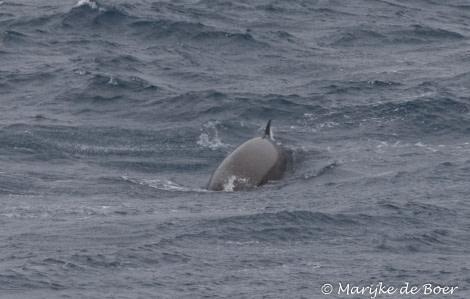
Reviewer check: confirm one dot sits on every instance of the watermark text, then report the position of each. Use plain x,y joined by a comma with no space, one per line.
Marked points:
375,290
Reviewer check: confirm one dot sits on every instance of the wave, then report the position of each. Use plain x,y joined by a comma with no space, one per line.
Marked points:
30,276
307,226
426,34
428,116
361,87
194,34
409,118
85,14
133,84
414,34
210,103
53,142
282,226
90,3
96,15
12,37
163,185
419,237
165,29
228,40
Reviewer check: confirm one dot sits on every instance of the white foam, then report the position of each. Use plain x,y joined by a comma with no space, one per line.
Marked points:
230,185
113,81
210,138
80,72
92,4
426,146
161,184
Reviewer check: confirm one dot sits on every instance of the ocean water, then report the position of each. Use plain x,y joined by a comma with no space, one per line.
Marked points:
115,113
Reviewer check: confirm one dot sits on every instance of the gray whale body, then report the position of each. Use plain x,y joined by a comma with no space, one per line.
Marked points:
252,164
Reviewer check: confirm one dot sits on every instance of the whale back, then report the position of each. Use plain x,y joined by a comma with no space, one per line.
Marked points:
253,163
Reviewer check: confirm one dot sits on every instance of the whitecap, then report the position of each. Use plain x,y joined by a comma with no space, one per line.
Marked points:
92,4
426,146
210,137
80,72
113,81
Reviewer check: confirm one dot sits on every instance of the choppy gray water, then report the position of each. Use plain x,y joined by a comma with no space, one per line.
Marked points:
115,113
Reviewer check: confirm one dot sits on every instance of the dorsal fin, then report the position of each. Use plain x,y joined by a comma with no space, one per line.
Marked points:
267,132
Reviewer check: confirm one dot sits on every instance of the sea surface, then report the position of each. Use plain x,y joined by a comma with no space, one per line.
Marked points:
115,113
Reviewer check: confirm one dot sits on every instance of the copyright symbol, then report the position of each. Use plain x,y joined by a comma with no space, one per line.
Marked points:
327,289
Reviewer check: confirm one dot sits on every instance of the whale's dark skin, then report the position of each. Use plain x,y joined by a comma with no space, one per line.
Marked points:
252,164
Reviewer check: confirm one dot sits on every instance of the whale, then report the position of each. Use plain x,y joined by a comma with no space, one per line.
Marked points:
252,164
